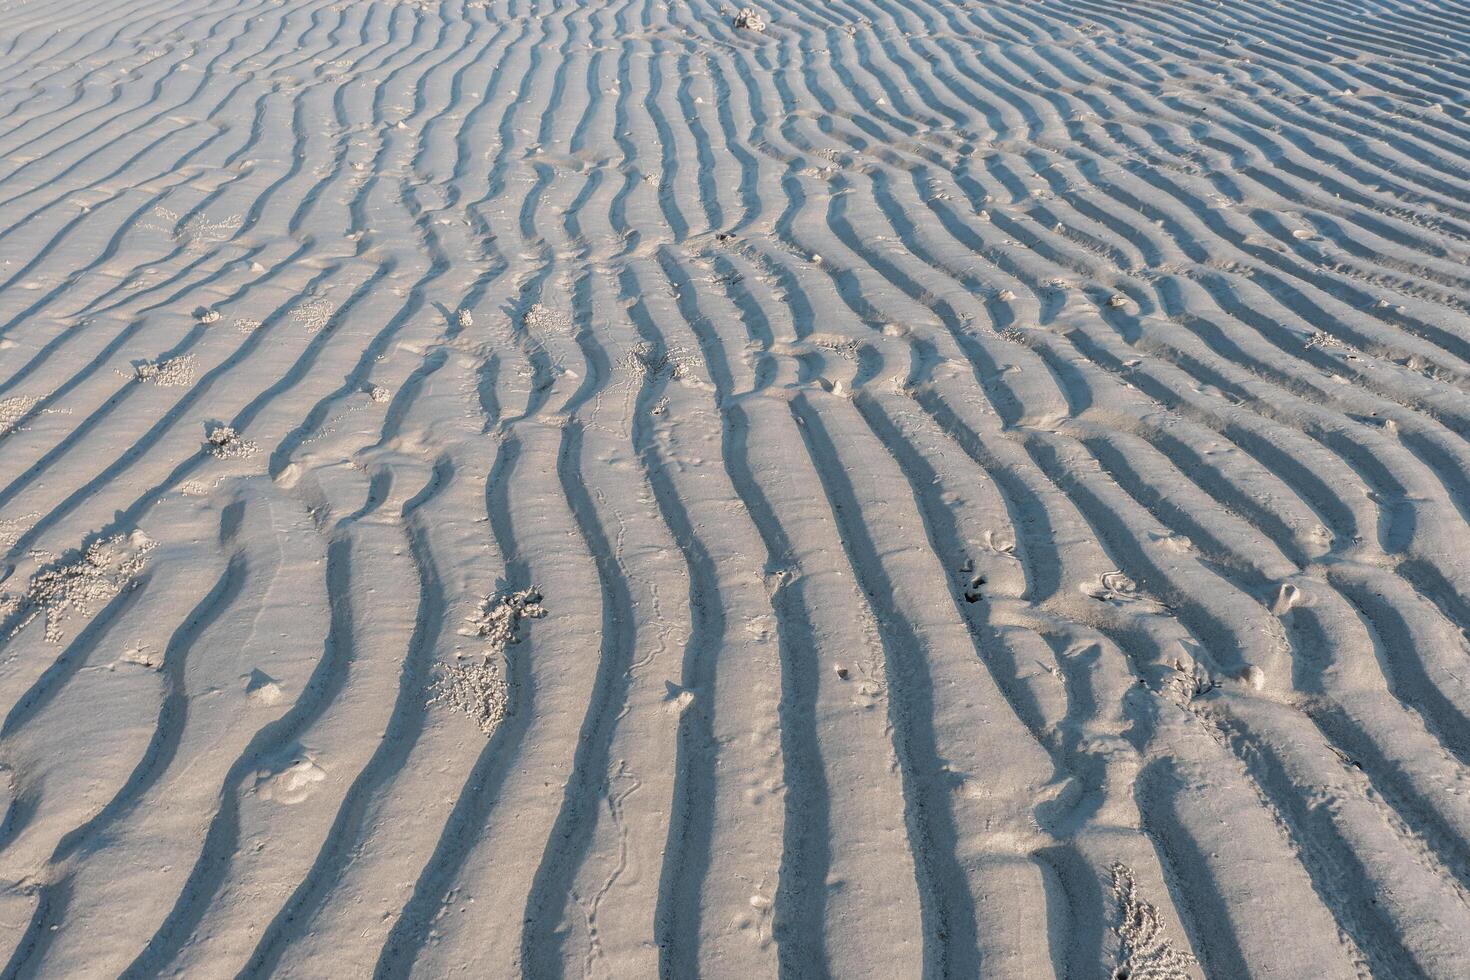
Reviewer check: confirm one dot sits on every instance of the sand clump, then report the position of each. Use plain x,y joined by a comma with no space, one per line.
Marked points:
500,616
1322,340
648,361
315,315
1143,951
13,411
79,585
225,443
478,688
170,372
543,318
11,530
748,19
198,232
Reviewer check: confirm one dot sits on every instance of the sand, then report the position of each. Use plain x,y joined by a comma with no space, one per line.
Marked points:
665,488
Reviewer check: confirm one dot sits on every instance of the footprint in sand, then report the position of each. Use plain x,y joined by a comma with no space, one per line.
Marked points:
262,689
291,785
1115,586
140,655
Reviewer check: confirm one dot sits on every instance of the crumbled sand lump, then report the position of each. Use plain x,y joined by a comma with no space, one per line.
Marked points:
479,689
749,20
13,410
226,443
475,689
542,318
172,372
1322,340
646,360
500,616
11,530
1143,952
81,584
314,314
198,232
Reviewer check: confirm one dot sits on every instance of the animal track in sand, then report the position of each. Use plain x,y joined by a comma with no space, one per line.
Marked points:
1188,682
101,571
759,919
972,592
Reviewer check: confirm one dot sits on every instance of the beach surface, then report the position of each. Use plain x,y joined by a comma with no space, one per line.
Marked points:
651,489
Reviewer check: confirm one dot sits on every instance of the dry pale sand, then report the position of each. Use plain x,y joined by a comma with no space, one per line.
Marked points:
643,488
